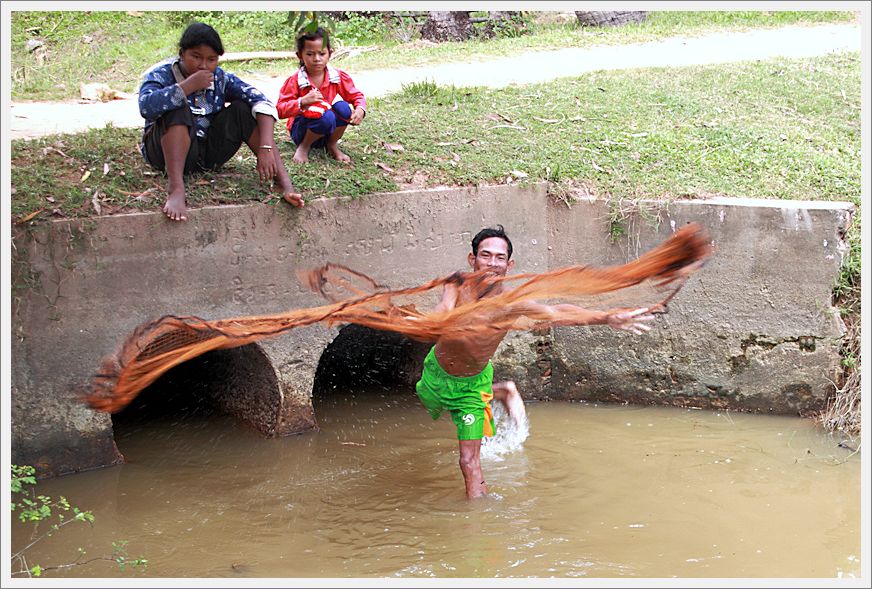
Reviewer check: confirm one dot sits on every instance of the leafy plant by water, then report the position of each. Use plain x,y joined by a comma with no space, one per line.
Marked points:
48,517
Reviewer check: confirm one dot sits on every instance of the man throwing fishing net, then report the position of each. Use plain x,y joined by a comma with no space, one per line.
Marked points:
458,374
475,312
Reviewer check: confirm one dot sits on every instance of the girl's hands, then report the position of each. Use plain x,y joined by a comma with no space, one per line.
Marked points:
357,116
311,98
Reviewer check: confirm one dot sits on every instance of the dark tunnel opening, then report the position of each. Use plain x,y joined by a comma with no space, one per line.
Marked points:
363,361
239,382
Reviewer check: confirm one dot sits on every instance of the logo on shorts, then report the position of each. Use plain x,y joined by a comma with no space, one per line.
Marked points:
469,419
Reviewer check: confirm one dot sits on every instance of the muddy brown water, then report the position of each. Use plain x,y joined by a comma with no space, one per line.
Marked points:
584,491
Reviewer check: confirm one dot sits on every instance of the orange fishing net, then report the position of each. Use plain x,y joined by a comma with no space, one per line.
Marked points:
650,281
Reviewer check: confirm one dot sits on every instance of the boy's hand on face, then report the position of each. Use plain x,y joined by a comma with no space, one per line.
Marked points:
199,80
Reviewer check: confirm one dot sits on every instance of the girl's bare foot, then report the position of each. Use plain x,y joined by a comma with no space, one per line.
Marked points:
294,199
301,155
175,208
340,156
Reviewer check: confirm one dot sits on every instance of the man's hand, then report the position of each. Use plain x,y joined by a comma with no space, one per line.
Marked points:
634,321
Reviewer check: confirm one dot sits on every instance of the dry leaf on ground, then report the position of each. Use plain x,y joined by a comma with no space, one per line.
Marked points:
29,217
518,127
393,147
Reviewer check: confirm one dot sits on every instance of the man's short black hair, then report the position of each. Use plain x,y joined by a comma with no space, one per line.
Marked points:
199,33
497,231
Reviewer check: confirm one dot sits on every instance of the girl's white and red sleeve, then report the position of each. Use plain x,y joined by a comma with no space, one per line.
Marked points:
349,92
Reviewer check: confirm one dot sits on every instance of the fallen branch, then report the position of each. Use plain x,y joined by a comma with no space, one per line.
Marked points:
247,55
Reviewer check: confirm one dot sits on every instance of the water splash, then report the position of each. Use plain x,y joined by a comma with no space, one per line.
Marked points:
510,436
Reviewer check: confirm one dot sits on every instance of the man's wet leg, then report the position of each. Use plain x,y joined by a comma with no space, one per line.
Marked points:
470,466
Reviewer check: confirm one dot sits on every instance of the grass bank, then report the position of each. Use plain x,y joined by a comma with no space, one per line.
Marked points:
779,129
115,47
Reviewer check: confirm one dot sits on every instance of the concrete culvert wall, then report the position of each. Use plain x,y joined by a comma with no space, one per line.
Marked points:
362,359
240,382
754,330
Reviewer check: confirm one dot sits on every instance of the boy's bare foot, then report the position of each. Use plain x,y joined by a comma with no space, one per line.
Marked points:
338,155
175,208
294,199
289,193
301,155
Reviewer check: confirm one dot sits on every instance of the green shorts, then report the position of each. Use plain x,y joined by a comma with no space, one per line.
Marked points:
467,398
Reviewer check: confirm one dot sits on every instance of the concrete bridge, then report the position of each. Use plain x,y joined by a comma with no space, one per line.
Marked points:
753,331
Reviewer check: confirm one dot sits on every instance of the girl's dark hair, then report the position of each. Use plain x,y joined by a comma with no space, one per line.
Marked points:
491,232
199,33
319,33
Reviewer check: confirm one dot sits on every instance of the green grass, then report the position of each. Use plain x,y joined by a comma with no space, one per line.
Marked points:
549,36
115,47
58,187
777,129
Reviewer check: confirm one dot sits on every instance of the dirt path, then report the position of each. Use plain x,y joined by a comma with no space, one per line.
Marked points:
35,119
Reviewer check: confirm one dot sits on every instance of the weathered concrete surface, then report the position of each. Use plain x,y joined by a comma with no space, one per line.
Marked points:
83,285
751,331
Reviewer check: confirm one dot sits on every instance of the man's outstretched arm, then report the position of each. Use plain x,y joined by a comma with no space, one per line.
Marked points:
635,320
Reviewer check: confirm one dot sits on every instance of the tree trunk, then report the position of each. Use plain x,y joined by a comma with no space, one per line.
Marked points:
505,22
447,26
609,19
497,15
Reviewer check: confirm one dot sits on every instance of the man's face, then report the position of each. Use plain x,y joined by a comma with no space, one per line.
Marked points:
493,256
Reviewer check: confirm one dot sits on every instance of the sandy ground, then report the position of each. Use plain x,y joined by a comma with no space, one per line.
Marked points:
34,119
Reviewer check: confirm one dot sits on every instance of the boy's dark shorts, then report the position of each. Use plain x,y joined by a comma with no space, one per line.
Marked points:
227,131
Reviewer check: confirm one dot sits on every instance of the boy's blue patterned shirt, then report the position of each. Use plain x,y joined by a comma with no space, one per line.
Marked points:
160,93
